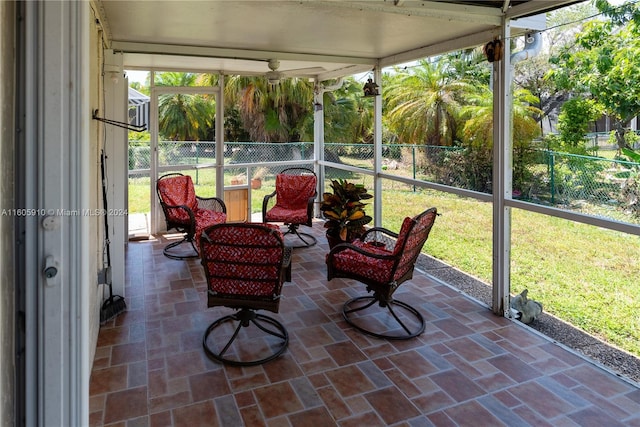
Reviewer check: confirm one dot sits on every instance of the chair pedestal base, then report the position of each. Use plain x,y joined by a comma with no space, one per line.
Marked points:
367,301
306,239
167,251
245,318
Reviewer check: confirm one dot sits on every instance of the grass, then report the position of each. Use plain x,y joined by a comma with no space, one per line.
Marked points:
582,274
607,154
139,195
585,275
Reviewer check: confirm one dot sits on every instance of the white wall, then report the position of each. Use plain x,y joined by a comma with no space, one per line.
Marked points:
108,98
116,148
95,231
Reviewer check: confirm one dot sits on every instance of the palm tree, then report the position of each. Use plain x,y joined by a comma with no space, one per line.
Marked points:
183,117
477,136
423,103
469,65
348,114
478,115
271,113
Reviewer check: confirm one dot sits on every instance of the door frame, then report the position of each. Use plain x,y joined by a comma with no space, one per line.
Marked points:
54,174
156,214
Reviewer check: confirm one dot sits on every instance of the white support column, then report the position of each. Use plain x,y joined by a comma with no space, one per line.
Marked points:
377,146
220,139
318,135
502,145
156,215
57,177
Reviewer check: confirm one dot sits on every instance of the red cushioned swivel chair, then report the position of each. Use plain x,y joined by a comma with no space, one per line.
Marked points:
186,212
382,260
245,266
292,202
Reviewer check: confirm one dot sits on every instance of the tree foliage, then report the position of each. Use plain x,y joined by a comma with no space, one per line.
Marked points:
573,123
271,113
531,74
348,115
477,136
183,117
603,64
423,103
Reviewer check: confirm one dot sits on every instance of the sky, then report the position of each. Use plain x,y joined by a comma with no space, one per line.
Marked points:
137,76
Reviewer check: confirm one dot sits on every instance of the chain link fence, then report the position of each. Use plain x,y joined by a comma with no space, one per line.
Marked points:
597,186
178,153
596,141
593,185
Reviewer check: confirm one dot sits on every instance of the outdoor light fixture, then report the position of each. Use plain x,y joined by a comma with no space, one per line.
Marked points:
113,75
493,50
370,88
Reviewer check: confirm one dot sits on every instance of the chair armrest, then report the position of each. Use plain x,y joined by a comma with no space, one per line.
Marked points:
211,203
344,246
381,235
189,228
184,207
286,264
382,230
310,203
265,204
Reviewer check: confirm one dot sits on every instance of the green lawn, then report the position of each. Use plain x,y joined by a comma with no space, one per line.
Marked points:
585,275
607,154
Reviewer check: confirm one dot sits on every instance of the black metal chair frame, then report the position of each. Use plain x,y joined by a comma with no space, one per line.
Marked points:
246,305
306,238
383,292
188,229
246,317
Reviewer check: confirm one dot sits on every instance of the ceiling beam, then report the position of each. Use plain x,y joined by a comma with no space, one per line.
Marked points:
345,71
535,7
99,13
518,27
430,9
329,75
216,52
459,43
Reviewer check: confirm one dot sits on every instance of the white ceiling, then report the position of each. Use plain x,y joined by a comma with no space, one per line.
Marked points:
342,37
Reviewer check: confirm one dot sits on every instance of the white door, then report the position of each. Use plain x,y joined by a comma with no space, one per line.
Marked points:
55,176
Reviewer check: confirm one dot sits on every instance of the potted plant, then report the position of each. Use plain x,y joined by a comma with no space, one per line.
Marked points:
256,178
344,211
238,179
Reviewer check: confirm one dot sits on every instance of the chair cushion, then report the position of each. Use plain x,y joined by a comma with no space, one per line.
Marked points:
247,269
293,191
206,218
233,286
248,236
356,263
407,224
176,191
245,279
413,237
290,216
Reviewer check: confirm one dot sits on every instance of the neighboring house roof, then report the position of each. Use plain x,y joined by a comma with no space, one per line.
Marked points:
137,98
